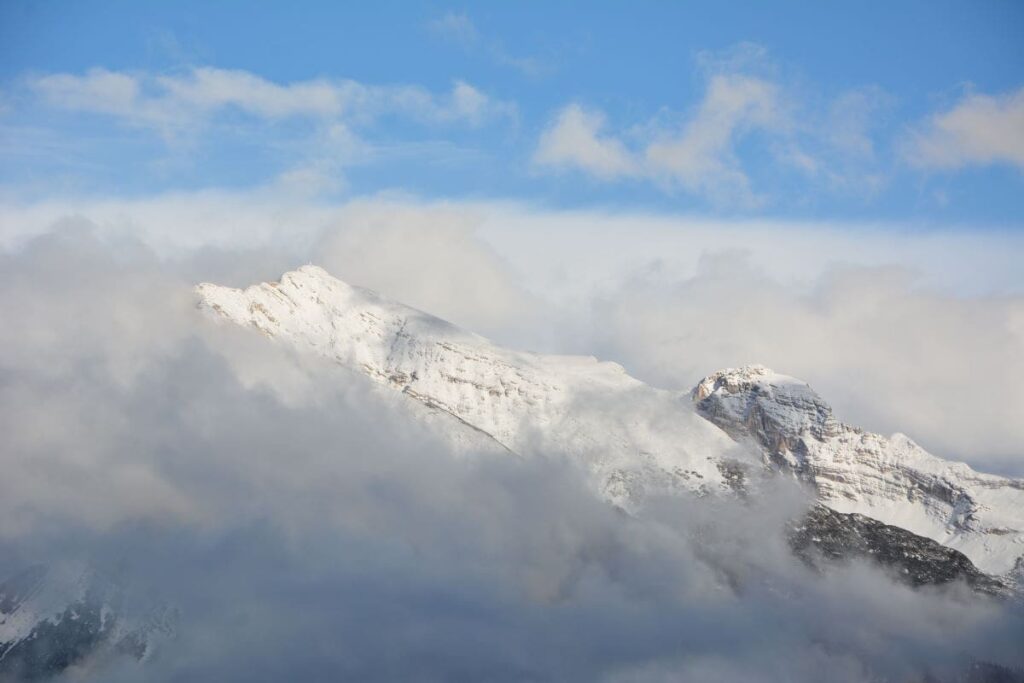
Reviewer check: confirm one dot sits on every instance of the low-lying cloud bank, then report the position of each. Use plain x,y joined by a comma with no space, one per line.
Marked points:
916,331
308,529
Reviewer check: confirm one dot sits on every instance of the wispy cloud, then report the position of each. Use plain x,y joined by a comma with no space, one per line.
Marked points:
979,130
701,157
698,152
896,328
459,29
576,139
305,523
697,156
318,127
179,100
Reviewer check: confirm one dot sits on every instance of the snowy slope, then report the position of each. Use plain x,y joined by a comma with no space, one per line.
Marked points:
55,617
889,479
632,438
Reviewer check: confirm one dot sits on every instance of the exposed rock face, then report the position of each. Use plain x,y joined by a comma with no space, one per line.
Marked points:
892,480
825,534
52,620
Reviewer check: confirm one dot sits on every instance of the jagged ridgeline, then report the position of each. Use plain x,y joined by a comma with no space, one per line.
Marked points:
636,440
882,500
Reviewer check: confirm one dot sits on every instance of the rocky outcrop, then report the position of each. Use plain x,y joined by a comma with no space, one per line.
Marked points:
633,439
824,535
892,479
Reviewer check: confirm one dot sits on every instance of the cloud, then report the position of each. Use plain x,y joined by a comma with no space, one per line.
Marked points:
306,526
459,28
979,130
574,140
186,99
305,135
888,354
706,151
698,156
895,328
424,257
456,27
98,90
210,89
701,158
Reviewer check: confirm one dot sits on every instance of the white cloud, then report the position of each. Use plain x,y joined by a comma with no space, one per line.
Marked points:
574,140
456,27
286,506
182,100
979,130
209,89
850,119
701,151
98,90
473,106
701,158
697,155
428,257
331,117
695,152
901,330
888,354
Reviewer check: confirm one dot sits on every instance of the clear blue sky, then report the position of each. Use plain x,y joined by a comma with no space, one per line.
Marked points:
905,111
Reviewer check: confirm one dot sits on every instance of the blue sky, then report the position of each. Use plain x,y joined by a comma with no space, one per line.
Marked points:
907,112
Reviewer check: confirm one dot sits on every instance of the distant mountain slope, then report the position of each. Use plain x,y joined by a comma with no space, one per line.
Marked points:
633,438
824,534
890,479
52,619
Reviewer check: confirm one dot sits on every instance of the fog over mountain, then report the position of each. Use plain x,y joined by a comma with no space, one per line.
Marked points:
526,342
302,522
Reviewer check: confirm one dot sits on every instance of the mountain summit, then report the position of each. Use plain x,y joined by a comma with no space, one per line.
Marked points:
634,439
890,479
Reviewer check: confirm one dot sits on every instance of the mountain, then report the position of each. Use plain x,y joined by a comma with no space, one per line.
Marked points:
636,440
892,480
824,534
633,438
54,618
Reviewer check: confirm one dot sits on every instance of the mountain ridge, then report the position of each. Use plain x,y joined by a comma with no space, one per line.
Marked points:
636,440
526,402
890,479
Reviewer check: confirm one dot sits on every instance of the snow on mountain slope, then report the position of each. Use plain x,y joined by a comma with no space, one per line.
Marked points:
633,438
890,479
52,618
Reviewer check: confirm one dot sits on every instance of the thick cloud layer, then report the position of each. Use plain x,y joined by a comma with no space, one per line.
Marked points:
901,330
307,528
888,354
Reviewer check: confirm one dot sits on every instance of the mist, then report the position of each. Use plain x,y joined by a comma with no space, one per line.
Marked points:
305,526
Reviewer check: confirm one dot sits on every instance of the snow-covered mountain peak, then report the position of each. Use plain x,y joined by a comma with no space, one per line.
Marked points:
733,380
633,438
318,297
891,479
789,405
